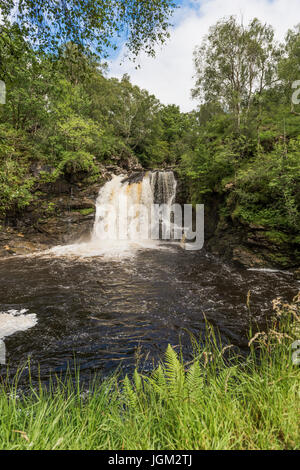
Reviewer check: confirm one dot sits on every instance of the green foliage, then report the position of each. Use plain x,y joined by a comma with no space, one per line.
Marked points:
267,188
15,182
289,66
247,149
87,211
242,144
14,187
75,162
49,23
64,114
218,401
235,64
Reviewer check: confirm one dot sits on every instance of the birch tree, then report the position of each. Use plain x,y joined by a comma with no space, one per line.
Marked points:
235,64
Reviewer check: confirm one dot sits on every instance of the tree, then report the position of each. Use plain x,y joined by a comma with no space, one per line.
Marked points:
234,64
289,66
94,23
27,78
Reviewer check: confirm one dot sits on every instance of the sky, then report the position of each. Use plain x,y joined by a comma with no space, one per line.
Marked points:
169,76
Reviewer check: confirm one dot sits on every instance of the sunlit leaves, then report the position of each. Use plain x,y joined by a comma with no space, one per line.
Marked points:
93,23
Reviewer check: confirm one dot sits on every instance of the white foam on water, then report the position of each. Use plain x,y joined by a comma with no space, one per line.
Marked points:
123,241
114,249
16,320
269,270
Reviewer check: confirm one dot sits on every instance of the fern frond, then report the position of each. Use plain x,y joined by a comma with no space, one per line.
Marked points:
174,371
194,380
159,377
129,394
137,381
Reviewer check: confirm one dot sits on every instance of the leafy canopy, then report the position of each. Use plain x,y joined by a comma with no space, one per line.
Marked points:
95,23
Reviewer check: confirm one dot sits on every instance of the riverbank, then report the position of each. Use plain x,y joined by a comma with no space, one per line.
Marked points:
63,212
215,402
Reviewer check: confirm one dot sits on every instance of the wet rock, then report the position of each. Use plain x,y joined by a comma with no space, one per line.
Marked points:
247,258
113,168
258,239
63,216
14,243
256,227
134,178
77,203
26,247
296,274
4,253
247,244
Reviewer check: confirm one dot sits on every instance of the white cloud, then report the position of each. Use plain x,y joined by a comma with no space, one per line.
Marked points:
169,75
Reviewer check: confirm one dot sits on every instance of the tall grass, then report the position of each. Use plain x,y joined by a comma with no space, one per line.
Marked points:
211,403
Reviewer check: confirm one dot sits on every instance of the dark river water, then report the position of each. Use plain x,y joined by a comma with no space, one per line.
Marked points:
105,312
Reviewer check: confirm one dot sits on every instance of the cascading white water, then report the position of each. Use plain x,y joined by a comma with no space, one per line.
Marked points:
123,215
11,322
118,199
163,185
135,200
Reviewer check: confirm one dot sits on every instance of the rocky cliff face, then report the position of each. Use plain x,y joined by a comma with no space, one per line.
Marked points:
247,244
62,212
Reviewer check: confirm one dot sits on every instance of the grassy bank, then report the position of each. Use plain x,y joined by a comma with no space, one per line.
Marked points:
207,404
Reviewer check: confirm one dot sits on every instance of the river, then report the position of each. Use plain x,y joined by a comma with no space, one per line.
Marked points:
109,311
105,312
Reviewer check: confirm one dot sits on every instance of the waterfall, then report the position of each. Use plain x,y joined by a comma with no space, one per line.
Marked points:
124,219
115,200
163,185
119,200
